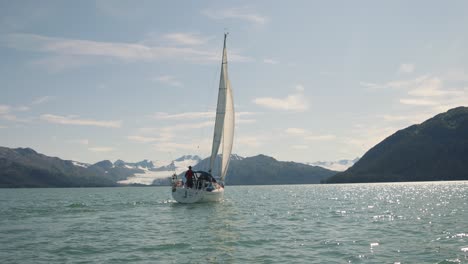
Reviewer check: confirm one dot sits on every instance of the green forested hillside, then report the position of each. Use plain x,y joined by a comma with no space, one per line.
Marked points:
435,150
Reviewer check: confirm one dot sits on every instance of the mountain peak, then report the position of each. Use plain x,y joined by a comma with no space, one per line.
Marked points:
26,151
188,157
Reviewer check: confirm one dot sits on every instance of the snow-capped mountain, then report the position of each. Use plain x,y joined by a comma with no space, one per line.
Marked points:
340,165
153,173
144,164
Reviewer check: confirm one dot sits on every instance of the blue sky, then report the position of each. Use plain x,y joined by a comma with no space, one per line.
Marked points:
312,80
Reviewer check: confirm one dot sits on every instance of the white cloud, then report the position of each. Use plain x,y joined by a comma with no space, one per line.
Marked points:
73,48
21,108
409,118
4,109
418,102
431,87
396,84
80,141
307,135
73,120
299,88
326,73
299,147
435,93
42,99
186,38
245,121
293,102
101,149
201,146
295,131
236,13
184,116
57,63
187,126
270,61
406,68
5,113
169,80
143,139
83,141
194,115
248,141
320,137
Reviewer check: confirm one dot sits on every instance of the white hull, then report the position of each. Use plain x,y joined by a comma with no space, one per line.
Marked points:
189,195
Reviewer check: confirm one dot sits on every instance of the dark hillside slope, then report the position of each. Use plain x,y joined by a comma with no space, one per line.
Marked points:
435,150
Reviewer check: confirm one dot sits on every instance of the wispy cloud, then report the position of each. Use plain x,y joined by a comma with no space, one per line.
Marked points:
408,118
80,141
406,68
293,102
418,101
244,14
101,149
295,131
83,141
195,115
182,116
199,146
21,108
72,48
434,92
249,141
6,113
144,139
299,147
74,120
188,39
169,80
270,61
307,135
42,99
4,109
320,137
397,84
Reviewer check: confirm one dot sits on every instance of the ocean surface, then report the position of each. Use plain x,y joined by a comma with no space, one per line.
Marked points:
356,223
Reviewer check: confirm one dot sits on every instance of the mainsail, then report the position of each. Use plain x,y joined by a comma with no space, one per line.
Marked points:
224,124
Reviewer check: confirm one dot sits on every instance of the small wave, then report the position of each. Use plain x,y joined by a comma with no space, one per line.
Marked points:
77,205
449,261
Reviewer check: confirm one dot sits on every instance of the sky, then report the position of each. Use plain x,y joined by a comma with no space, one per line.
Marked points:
312,80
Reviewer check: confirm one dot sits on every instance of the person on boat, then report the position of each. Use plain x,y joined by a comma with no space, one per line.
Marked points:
189,177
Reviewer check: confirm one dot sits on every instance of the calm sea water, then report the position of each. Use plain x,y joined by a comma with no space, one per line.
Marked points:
356,223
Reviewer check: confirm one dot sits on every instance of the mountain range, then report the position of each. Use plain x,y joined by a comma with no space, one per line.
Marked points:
24,167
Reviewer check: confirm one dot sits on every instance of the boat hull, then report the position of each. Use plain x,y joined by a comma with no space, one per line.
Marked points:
189,195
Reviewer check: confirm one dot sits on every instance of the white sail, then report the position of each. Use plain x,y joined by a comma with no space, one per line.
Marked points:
220,109
228,131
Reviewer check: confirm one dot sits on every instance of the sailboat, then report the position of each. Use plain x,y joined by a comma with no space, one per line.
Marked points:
206,187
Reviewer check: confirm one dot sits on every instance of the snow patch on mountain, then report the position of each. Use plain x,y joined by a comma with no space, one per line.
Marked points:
80,164
152,173
340,165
